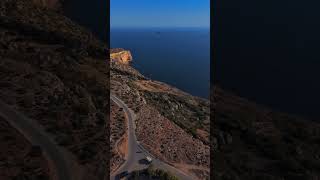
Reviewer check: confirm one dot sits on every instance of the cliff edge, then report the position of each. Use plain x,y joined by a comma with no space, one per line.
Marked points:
120,55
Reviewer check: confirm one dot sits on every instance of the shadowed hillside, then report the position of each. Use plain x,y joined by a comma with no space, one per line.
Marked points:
253,142
55,72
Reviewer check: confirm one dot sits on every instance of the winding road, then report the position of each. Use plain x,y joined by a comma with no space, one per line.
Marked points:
38,137
136,152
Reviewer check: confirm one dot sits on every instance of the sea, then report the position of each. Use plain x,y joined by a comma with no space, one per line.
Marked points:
269,52
266,51
177,56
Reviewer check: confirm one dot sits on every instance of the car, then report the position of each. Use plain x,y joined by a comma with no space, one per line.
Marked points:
149,159
123,174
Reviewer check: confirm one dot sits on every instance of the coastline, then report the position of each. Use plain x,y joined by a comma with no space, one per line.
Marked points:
125,57
179,58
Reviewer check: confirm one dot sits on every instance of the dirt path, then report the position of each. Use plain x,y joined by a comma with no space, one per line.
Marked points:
37,136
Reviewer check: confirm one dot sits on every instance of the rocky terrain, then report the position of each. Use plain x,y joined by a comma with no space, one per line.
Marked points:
171,124
18,158
120,55
55,72
253,142
249,141
118,127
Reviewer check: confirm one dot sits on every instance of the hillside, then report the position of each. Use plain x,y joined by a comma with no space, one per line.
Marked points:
254,142
55,73
118,137
171,124
249,141
18,157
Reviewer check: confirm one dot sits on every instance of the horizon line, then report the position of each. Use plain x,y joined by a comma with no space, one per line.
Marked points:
136,27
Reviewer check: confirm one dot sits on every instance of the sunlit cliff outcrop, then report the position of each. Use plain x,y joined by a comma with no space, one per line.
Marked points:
120,55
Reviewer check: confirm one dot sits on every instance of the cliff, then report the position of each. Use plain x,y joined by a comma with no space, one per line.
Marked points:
120,55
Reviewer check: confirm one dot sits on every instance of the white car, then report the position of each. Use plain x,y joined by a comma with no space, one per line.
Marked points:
149,159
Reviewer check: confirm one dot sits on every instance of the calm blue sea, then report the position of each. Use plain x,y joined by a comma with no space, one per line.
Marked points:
177,56
268,51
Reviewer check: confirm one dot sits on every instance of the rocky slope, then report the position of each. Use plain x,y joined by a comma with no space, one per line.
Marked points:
55,72
18,157
253,142
118,129
171,124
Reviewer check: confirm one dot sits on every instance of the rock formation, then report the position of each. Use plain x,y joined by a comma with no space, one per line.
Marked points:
120,55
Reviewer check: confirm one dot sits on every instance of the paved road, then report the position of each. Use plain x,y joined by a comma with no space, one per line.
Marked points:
136,152
32,131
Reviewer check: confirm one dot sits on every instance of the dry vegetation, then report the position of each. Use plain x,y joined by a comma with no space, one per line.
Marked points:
170,143
252,142
118,128
18,158
55,72
171,124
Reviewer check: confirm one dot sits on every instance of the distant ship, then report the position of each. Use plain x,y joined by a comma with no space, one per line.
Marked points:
157,34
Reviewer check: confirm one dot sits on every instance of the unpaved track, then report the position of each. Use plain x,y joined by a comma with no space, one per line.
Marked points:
37,136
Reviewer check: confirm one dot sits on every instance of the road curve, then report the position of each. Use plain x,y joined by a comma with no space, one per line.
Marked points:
37,136
136,152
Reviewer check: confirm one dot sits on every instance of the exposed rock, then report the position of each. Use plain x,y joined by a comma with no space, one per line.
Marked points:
121,56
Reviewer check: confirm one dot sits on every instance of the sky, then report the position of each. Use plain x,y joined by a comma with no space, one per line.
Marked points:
159,13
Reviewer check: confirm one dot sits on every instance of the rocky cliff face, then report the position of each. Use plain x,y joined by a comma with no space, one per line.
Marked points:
120,55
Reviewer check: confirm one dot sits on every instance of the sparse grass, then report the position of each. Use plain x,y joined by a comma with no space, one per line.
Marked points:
178,109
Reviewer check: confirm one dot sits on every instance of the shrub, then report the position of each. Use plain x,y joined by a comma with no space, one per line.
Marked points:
154,174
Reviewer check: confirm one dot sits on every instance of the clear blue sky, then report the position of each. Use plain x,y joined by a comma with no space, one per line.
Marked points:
160,13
